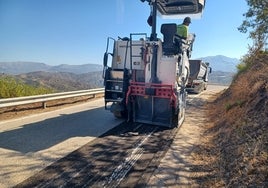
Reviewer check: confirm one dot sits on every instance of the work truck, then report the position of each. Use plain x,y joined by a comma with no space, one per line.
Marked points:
145,76
198,78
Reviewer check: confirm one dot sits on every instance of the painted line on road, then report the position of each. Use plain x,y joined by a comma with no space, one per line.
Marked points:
121,171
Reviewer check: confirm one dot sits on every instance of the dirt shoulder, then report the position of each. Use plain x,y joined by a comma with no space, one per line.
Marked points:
234,147
178,168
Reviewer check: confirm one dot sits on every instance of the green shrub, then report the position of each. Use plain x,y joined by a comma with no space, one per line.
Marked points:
229,106
10,87
242,67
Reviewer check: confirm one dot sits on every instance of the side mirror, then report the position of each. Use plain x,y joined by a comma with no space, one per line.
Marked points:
105,59
210,70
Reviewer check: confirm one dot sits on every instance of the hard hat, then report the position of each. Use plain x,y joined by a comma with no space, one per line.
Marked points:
187,20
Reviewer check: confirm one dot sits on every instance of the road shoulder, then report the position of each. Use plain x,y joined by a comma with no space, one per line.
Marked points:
175,169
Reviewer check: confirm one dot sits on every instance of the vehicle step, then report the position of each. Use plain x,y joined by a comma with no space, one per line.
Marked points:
114,80
116,91
113,100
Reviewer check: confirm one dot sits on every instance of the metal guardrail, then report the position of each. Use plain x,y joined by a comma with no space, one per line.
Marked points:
48,97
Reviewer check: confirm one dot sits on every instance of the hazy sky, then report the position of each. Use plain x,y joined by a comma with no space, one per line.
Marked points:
75,31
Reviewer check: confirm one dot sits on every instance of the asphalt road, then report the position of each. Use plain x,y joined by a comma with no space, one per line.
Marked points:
61,143
31,143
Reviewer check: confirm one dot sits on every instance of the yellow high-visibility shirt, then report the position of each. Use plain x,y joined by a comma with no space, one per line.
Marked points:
182,31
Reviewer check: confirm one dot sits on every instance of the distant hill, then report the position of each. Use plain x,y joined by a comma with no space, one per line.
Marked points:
222,63
218,63
20,67
75,77
77,69
221,78
62,81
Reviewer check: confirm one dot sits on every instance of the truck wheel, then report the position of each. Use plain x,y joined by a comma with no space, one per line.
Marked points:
121,114
117,114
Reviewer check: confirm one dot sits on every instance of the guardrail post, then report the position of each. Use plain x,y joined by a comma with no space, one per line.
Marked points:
44,105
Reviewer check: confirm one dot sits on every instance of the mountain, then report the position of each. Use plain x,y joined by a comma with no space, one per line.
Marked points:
62,81
77,69
220,78
22,67
26,67
75,77
218,63
221,63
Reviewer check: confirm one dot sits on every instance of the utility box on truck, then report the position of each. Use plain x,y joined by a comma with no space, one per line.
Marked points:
198,78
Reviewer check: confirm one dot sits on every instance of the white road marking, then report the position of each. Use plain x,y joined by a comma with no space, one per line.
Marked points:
120,172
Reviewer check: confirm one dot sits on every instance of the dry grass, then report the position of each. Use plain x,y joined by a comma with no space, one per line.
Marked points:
234,148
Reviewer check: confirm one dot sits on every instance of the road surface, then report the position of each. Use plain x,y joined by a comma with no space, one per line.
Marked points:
30,143
32,146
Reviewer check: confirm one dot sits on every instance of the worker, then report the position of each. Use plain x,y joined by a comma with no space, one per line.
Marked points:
182,29
182,37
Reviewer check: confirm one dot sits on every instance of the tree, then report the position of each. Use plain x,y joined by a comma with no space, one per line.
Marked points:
256,23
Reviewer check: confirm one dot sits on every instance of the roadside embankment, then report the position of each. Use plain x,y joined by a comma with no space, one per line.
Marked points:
234,148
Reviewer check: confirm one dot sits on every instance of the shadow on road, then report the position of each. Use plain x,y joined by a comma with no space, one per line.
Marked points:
45,134
126,155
